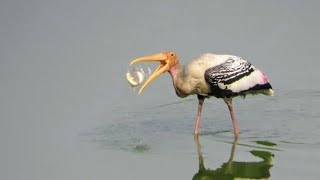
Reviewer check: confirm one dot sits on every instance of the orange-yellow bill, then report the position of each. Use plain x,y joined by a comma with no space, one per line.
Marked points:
163,67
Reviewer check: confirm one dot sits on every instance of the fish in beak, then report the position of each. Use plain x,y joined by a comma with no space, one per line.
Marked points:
165,60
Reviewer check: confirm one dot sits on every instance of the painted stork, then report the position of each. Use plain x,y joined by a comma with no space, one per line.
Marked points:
222,76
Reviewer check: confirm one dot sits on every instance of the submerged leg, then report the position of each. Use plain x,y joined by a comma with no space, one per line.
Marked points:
234,121
196,127
201,163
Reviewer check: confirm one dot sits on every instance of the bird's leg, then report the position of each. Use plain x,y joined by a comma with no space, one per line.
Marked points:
201,163
234,121
234,144
196,127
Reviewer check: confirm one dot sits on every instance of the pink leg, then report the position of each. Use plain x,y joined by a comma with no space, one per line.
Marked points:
234,121
196,128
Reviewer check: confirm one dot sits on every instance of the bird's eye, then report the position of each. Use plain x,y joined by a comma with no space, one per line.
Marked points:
172,54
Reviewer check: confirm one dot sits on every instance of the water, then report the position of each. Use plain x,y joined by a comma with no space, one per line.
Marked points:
67,111
164,134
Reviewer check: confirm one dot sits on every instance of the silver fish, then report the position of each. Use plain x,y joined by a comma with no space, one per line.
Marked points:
136,76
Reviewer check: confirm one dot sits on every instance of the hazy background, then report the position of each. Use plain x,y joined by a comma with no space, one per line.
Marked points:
62,66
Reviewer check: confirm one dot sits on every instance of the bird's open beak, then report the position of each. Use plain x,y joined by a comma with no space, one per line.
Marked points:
163,67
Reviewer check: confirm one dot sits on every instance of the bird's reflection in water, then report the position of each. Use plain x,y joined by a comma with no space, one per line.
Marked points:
233,169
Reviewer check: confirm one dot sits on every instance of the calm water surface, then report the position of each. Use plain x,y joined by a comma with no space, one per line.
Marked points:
274,141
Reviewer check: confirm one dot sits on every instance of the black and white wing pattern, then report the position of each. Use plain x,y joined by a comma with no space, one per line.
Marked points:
236,76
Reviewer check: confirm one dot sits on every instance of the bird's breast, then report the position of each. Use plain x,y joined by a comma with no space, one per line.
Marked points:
189,85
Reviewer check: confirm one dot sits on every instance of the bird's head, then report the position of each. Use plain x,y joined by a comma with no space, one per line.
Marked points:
167,61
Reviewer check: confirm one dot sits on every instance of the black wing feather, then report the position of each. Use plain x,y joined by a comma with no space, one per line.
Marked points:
227,73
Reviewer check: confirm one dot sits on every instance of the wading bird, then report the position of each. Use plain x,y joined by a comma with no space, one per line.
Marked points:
222,76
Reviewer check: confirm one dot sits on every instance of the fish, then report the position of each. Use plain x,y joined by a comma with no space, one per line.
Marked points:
136,76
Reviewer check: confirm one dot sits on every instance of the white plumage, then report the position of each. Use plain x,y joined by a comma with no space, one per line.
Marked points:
191,77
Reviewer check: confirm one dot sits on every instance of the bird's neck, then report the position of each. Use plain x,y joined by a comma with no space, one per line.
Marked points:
176,73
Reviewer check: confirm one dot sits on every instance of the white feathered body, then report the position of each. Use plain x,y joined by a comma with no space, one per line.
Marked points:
220,76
